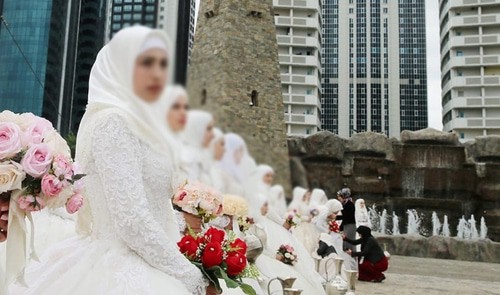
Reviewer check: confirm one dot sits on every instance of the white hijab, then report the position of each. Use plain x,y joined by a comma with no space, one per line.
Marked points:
361,214
216,179
255,183
321,220
111,88
297,201
196,126
194,153
111,91
238,171
277,200
318,198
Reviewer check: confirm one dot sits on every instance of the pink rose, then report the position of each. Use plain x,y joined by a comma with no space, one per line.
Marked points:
62,167
74,203
37,131
78,186
37,160
10,140
30,203
51,185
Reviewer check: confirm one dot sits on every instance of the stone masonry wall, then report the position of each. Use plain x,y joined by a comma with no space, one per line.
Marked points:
235,54
427,170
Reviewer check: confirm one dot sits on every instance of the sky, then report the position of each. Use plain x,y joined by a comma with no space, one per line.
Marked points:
433,62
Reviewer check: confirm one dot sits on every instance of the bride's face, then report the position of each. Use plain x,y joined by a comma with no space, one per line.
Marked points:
209,134
219,149
269,178
362,204
177,116
150,74
238,155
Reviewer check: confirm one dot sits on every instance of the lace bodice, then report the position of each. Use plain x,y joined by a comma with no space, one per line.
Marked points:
128,187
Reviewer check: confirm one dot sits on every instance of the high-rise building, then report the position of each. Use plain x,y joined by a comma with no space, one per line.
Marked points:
124,13
22,88
42,80
91,36
470,67
298,30
374,66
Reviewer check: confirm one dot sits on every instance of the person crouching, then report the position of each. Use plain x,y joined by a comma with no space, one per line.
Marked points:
372,260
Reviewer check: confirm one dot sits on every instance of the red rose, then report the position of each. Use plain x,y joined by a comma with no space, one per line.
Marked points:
188,246
236,263
215,235
239,246
212,255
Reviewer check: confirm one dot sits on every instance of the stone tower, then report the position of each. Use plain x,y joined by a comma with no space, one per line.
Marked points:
234,73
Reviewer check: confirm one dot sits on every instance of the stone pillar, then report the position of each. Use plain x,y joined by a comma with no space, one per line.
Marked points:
234,73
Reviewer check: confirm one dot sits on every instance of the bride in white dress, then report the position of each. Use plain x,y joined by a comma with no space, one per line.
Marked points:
125,150
196,138
272,236
236,165
276,235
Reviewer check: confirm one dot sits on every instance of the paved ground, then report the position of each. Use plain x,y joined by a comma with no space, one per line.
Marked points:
410,275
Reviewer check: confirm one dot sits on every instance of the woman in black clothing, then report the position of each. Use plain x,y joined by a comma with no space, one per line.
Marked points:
374,261
348,218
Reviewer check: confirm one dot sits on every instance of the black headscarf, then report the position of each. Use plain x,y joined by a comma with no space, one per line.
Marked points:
364,231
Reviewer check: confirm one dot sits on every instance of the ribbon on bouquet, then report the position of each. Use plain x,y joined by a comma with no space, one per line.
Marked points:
16,242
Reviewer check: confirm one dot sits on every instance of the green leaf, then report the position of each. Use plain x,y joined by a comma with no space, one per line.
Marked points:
78,177
247,289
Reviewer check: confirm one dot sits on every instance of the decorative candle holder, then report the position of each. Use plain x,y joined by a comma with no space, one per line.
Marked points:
352,276
338,282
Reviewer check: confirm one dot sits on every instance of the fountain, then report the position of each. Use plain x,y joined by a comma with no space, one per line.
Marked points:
446,227
463,229
484,230
395,224
474,235
413,227
383,221
436,224
374,218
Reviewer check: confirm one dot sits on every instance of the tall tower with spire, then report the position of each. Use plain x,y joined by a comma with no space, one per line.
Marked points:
234,73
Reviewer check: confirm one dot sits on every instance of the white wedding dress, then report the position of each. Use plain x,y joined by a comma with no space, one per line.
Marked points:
132,246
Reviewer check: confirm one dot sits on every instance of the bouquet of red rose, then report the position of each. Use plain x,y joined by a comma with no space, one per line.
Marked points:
219,256
334,226
286,254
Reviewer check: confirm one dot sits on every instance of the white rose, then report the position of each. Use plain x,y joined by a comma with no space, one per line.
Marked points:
26,120
287,255
57,144
8,116
207,206
11,176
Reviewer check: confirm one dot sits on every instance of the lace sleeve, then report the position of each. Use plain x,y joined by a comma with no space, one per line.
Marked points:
117,157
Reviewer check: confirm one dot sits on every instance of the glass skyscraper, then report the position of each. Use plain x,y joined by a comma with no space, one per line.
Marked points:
29,22
129,12
374,66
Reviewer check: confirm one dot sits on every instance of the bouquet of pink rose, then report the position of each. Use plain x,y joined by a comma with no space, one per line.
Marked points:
36,171
293,218
286,254
200,200
36,168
